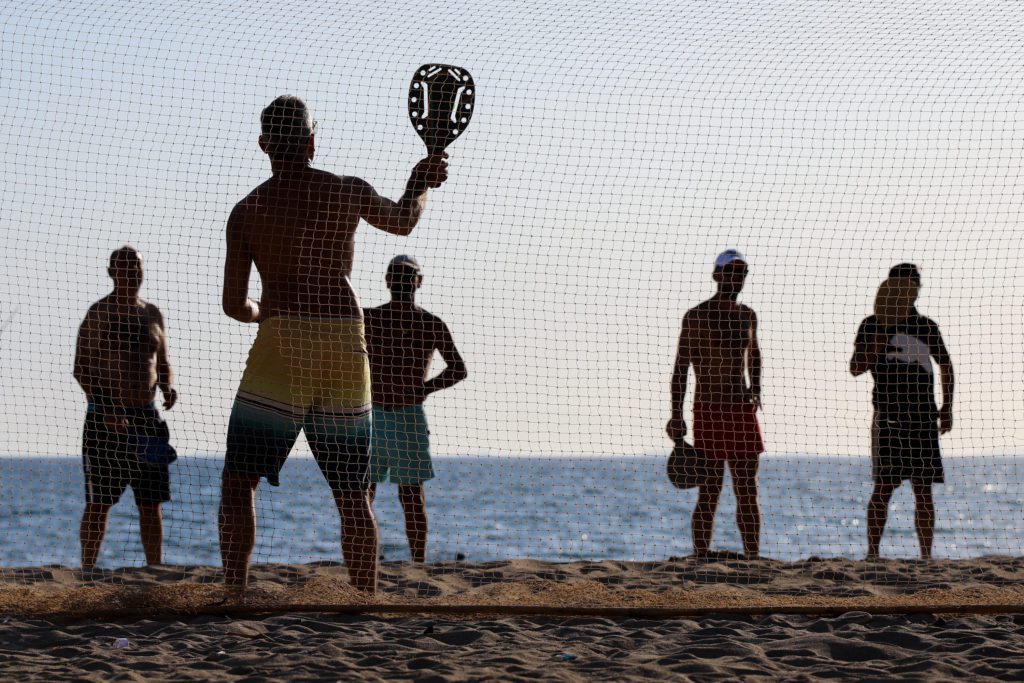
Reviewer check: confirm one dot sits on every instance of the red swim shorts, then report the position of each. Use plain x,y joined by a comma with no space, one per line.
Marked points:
727,431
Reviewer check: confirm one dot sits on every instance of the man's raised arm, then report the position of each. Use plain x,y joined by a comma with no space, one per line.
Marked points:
237,268
399,218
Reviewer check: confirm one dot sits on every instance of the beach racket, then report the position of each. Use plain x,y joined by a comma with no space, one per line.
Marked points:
687,467
441,100
894,301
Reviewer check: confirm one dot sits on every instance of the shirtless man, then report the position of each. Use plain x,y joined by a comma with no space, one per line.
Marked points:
120,361
719,339
402,339
308,368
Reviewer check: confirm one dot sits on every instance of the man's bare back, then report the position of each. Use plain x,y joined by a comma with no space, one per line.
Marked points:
298,228
401,341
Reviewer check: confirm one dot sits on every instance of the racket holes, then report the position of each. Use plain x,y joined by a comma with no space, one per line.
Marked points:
465,77
413,99
463,119
455,132
419,127
423,72
414,114
469,92
469,106
416,85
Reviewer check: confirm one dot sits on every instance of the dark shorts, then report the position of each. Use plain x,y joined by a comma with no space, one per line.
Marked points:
111,464
260,437
727,431
901,452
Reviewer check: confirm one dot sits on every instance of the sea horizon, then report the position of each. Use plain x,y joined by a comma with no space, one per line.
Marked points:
546,508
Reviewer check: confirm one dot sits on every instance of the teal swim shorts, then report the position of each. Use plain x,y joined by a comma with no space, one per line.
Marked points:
400,446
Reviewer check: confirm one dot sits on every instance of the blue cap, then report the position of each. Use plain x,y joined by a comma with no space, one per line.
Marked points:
728,257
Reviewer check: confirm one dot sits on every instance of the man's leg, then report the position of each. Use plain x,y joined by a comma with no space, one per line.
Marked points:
924,517
94,527
414,505
703,522
878,513
748,509
151,528
151,486
359,540
237,525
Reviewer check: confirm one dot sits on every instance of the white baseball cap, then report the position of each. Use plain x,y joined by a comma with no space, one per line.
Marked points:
728,257
404,261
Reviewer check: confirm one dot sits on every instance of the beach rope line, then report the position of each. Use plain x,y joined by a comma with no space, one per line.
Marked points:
480,611
609,293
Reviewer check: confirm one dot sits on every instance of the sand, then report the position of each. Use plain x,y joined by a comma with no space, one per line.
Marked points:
43,634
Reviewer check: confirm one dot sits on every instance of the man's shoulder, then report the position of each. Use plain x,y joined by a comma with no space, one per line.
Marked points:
925,326
316,177
922,320
99,313
373,312
699,308
345,185
428,317
719,308
420,317
869,321
153,310
255,194
319,175
100,307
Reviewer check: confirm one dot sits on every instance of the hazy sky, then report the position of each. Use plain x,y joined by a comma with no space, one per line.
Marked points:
615,149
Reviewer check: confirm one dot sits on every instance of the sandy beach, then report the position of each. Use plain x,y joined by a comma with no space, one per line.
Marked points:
44,635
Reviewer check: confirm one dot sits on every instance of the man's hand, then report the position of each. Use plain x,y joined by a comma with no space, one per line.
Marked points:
676,429
115,423
430,172
170,397
945,419
755,397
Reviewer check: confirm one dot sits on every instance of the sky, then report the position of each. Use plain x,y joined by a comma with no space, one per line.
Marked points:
615,149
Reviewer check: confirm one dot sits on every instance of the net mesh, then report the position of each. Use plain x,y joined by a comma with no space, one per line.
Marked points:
614,151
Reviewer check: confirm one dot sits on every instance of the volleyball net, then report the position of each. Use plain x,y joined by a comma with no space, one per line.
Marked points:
614,153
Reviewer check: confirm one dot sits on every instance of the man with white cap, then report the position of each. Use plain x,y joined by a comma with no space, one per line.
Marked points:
401,339
719,339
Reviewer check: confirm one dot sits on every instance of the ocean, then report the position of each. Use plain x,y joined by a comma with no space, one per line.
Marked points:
498,508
